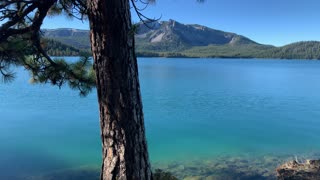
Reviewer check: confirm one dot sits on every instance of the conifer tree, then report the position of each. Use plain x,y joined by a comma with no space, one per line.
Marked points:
114,71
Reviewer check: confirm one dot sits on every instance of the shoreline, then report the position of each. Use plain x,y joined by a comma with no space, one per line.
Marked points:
216,58
222,167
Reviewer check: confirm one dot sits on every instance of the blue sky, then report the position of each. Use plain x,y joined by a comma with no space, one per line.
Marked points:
276,22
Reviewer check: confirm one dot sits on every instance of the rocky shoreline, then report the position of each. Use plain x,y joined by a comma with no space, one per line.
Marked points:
219,168
224,168
293,170
228,168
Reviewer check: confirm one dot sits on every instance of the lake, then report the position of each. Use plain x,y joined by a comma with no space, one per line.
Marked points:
204,118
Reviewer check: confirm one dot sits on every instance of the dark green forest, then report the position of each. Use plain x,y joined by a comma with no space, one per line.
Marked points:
56,48
299,50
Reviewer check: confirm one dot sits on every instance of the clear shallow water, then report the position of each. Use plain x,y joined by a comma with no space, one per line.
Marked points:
195,109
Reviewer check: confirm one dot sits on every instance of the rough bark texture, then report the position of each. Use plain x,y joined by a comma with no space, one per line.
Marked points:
310,170
124,145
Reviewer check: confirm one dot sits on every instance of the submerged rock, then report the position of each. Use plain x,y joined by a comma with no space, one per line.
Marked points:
193,178
310,170
161,175
241,167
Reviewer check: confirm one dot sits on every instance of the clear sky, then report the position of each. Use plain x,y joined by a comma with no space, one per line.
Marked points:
276,22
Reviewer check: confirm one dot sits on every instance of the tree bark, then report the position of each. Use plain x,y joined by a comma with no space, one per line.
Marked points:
124,145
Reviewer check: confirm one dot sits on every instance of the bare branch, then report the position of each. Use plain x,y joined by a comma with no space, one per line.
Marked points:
144,19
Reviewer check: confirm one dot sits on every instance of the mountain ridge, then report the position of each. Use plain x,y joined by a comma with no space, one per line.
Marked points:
174,39
193,34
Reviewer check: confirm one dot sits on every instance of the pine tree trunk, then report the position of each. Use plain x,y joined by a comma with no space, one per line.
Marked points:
124,145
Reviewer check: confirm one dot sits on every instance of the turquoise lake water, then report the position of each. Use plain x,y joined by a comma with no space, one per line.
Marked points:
195,109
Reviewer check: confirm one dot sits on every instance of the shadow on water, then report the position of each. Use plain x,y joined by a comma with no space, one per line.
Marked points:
71,174
87,173
41,167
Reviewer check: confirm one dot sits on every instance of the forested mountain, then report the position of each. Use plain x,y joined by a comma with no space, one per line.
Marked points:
174,39
299,50
72,37
56,48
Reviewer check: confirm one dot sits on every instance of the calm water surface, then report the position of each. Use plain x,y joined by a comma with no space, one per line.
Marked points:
195,109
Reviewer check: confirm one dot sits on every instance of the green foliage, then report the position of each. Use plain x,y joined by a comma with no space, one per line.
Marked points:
21,44
213,51
78,75
12,53
81,43
56,48
173,46
300,50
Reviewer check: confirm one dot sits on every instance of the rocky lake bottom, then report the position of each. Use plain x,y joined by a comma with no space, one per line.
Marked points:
219,168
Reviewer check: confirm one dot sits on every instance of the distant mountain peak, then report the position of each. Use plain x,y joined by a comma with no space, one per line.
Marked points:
168,35
66,32
172,31
172,38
